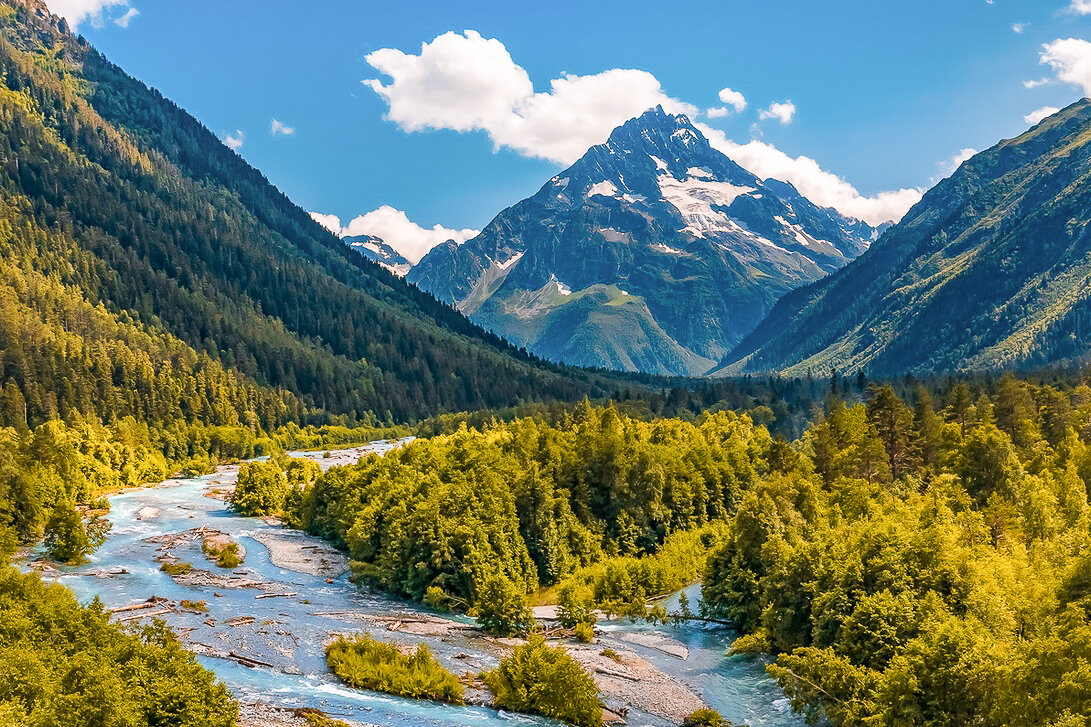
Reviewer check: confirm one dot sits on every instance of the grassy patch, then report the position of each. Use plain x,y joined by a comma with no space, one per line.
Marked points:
365,663
176,569
226,556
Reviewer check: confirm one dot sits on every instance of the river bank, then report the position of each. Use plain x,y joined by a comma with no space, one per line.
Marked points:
267,621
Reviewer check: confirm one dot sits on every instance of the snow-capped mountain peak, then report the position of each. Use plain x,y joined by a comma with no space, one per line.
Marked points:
373,248
701,246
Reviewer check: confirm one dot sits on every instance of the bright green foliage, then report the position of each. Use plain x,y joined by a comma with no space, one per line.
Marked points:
176,569
534,501
318,718
705,718
365,663
545,680
624,584
65,664
502,608
260,490
575,605
229,556
226,556
68,539
584,632
301,472
949,585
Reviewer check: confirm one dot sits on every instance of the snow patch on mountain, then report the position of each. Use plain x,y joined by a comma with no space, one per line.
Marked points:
561,287
611,235
605,188
694,199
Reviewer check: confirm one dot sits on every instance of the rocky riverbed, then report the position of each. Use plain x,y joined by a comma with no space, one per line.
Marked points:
262,626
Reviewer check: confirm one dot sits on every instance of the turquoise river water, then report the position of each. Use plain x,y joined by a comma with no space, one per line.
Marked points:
288,631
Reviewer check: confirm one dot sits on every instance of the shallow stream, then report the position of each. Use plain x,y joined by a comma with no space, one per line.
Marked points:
288,631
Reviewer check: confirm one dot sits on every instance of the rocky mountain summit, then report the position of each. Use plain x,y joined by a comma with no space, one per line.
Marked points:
373,248
654,252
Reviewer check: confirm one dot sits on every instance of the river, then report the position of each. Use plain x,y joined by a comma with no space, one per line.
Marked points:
288,631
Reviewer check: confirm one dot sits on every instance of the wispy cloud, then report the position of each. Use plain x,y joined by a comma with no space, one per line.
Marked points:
782,112
1019,27
948,166
276,128
234,141
124,20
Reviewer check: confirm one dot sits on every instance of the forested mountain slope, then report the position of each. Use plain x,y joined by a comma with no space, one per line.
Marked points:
121,209
991,269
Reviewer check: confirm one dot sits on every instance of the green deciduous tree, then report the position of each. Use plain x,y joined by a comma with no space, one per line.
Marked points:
545,680
260,490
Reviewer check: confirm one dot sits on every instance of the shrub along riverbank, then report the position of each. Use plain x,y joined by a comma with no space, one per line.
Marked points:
907,563
365,663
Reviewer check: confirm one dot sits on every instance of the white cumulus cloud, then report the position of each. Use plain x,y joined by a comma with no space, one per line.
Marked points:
330,222
280,129
465,82
1038,114
1070,61
234,141
395,228
1080,7
782,112
816,184
733,99
77,11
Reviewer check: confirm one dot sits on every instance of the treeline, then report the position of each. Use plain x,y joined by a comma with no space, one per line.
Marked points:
530,502
57,466
923,563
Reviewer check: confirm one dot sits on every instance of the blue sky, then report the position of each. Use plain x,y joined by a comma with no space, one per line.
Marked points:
882,95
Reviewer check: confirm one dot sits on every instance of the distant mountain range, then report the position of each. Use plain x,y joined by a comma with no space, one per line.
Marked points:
653,252
374,249
991,269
